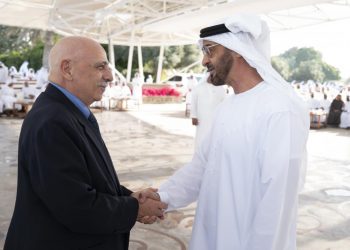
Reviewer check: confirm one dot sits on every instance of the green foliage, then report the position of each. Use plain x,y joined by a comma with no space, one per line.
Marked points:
307,54
172,57
14,38
175,57
192,54
281,65
19,44
331,73
32,54
178,57
289,56
309,70
13,57
304,64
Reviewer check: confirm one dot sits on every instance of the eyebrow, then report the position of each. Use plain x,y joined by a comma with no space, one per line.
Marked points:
101,63
209,44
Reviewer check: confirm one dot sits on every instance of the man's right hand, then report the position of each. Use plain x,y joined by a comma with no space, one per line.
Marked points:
150,206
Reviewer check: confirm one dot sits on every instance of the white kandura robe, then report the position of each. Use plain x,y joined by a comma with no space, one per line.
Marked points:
325,104
245,175
137,84
29,91
1,105
204,100
3,74
9,98
345,116
313,103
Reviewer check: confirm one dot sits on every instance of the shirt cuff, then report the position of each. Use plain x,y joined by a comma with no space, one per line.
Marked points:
164,197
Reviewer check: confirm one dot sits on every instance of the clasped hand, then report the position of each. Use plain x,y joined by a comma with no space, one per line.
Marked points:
150,206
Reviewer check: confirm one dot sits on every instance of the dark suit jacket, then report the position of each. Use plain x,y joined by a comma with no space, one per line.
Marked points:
68,194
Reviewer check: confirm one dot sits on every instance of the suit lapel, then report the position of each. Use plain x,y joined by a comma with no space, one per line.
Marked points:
102,149
89,130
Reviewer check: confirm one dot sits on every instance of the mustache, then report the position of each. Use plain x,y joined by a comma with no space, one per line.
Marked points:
210,67
102,84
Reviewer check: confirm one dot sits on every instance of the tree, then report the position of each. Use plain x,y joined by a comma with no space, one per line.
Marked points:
307,54
192,54
280,64
15,38
295,56
289,56
331,73
309,70
304,64
32,54
20,44
172,57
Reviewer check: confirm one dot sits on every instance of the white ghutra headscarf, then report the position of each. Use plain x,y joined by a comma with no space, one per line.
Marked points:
249,36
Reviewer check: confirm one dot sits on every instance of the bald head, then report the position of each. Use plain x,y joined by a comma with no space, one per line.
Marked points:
80,65
72,48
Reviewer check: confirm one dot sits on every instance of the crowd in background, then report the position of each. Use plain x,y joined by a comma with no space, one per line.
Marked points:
20,86
24,86
329,102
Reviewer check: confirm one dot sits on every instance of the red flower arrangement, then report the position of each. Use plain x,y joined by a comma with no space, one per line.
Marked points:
160,92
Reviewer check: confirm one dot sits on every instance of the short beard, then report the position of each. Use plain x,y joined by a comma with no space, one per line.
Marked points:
222,70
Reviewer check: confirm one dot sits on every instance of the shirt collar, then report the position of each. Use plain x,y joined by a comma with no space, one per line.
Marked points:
75,100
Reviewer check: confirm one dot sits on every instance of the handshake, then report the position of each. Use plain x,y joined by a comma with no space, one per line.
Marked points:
150,206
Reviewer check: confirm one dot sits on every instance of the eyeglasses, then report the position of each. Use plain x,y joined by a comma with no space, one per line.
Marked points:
206,49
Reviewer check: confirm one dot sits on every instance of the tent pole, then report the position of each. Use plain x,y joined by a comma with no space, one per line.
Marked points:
131,52
111,52
139,55
160,63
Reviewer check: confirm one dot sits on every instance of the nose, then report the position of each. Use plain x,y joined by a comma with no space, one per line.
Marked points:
108,76
205,60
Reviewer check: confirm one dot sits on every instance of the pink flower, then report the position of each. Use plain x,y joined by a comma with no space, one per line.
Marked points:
160,92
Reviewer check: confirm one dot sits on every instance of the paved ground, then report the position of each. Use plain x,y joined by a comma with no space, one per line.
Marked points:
149,144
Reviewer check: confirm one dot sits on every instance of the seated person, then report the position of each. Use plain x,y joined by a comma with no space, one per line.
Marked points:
31,74
1,104
335,111
29,92
121,94
325,104
9,97
345,115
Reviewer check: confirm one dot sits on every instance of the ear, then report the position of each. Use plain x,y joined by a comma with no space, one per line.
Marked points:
66,69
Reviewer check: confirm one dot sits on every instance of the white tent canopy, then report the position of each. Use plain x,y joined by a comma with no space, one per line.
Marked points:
159,22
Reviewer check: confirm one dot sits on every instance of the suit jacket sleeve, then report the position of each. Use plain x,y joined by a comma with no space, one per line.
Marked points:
63,179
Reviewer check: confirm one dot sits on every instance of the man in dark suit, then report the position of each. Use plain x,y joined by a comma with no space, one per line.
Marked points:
69,195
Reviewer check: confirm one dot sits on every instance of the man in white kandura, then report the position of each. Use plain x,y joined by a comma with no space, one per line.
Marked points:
247,173
345,115
137,83
3,73
23,70
204,101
